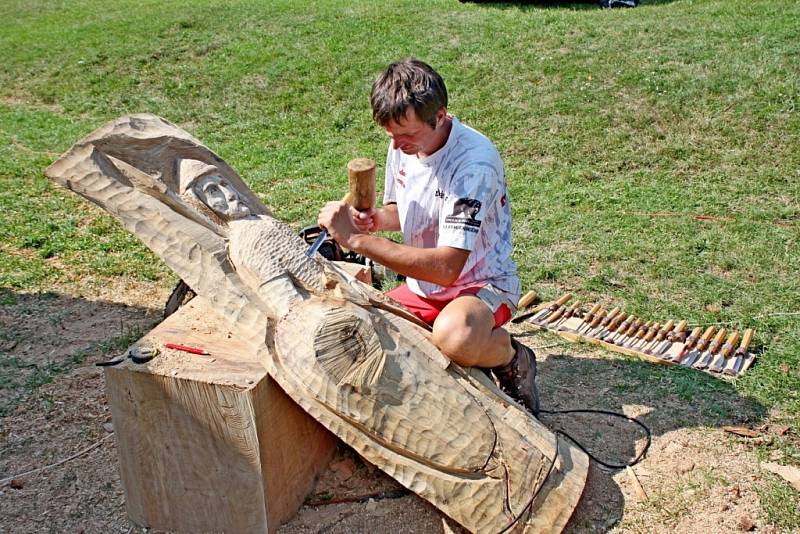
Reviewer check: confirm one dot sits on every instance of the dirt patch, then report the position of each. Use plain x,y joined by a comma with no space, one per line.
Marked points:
695,478
42,333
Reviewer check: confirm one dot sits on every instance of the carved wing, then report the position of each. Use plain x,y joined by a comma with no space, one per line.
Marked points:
437,429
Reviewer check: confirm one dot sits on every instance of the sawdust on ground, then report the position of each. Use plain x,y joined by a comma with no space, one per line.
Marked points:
694,478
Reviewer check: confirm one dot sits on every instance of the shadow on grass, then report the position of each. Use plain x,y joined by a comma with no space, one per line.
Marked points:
664,398
45,335
555,4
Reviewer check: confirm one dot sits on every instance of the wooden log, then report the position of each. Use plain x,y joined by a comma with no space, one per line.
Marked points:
210,442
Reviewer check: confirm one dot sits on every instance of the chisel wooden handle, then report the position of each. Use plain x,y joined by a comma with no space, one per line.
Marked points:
589,317
527,299
556,315
666,329
679,331
613,313
360,194
614,325
660,337
623,328
563,299
597,319
702,343
746,339
573,310
640,332
651,333
740,354
716,344
677,335
720,360
625,336
712,351
607,320
730,343
694,337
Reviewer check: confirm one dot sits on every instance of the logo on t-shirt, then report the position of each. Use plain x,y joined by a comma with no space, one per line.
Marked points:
466,206
439,193
464,212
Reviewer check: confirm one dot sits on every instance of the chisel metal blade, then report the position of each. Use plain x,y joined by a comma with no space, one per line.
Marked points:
323,235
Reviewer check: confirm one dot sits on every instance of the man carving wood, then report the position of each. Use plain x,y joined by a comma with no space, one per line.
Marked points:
445,190
359,364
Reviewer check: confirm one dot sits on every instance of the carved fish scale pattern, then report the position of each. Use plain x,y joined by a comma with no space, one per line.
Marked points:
270,249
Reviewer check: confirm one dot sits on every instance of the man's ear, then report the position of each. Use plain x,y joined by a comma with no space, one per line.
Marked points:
440,116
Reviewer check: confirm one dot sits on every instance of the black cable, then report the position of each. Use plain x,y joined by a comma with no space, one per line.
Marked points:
605,412
581,447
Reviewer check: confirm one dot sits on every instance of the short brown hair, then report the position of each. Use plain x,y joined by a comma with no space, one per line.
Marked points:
409,83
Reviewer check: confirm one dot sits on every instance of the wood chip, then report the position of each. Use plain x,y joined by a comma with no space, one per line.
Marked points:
789,473
779,429
637,486
746,524
344,469
741,431
446,528
17,484
685,466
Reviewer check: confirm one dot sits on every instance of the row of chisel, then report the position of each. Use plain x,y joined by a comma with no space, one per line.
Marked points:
718,351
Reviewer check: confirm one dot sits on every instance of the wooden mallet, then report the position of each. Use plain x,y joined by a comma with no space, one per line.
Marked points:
360,195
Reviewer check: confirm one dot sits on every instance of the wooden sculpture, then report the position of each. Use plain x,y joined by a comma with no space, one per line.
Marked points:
362,366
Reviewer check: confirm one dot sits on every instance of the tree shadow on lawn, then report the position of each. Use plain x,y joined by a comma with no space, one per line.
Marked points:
664,398
45,335
555,4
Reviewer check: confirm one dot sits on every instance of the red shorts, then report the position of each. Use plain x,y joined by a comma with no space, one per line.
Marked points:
428,309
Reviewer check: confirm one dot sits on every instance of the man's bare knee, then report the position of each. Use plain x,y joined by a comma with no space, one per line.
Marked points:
452,336
463,332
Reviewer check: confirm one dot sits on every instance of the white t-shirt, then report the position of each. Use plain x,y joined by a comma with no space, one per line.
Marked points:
456,197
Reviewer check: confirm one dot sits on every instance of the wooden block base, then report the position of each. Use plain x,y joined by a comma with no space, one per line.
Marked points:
210,443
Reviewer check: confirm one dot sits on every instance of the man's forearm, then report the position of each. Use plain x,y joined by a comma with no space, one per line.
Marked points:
441,265
388,219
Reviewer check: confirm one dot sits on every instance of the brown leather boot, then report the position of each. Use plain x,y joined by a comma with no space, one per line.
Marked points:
518,377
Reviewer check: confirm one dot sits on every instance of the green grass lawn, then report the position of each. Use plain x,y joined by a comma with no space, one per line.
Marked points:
653,154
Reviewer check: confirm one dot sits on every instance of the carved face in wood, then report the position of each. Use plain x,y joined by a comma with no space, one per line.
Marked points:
219,195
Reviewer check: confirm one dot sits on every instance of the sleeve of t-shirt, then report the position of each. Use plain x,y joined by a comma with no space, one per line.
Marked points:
474,190
389,195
